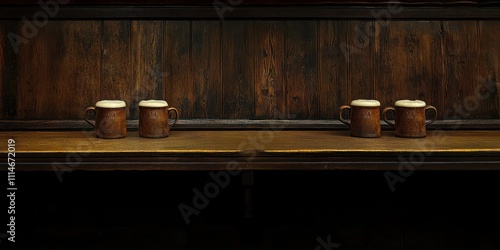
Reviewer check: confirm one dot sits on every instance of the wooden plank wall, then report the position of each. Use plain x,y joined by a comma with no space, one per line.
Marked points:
266,2
255,69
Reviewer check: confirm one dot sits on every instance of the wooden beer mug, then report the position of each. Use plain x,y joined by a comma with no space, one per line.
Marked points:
409,118
365,118
153,118
110,119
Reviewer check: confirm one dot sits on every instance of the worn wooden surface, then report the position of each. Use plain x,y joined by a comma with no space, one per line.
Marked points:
146,62
409,53
260,149
206,69
116,69
176,72
240,124
264,2
251,69
242,9
458,82
359,52
488,69
238,66
269,57
301,64
333,68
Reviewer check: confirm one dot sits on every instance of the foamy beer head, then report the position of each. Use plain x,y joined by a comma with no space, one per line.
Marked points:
110,104
365,103
153,104
410,104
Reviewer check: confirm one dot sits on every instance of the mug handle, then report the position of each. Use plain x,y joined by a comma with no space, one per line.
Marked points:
341,119
86,115
430,107
176,116
385,115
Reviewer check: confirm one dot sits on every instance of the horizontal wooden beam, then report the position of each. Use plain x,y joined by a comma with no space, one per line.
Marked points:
259,2
254,12
238,124
339,163
253,150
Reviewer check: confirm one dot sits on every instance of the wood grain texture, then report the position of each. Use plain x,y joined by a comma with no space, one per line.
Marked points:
3,40
79,71
414,10
56,89
116,70
240,124
408,62
489,70
40,95
360,50
333,68
461,61
268,68
9,66
177,79
147,64
206,69
269,73
238,67
283,143
301,69
57,61
253,2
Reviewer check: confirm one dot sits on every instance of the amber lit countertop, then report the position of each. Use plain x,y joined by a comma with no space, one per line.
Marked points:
254,150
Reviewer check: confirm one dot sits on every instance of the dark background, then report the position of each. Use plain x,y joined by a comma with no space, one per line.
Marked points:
139,210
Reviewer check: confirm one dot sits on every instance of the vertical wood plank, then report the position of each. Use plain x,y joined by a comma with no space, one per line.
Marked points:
60,95
59,75
460,48
177,80
238,69
79,72
332,68
3,40
40,95
116,77
301,68
489,70
206,69
8,70
408,60
147,74
269,74
360,50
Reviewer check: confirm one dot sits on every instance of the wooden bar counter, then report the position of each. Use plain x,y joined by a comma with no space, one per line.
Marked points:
255,150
